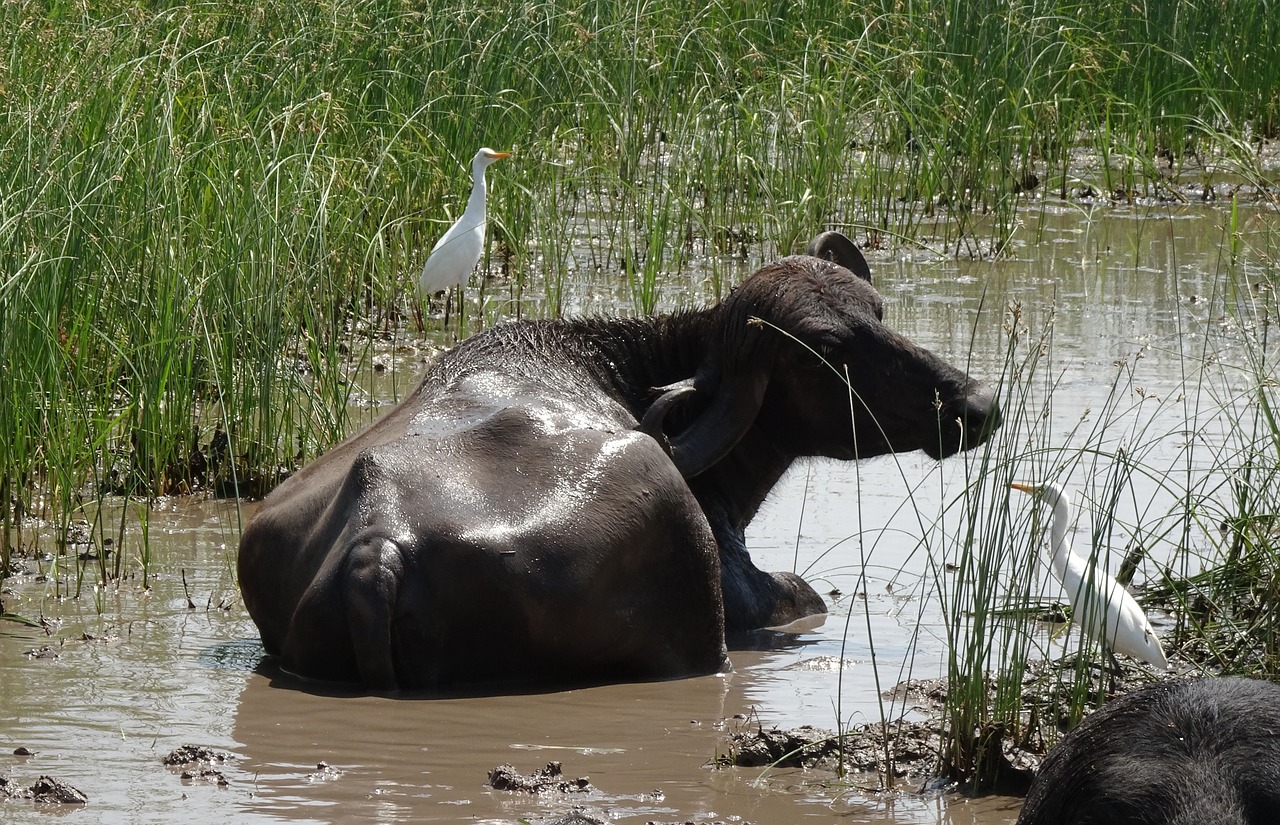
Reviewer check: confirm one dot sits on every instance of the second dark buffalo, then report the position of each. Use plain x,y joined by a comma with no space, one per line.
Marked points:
566,500
1182,752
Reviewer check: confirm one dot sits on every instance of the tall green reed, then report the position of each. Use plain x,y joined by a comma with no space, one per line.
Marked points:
206,210
1178,479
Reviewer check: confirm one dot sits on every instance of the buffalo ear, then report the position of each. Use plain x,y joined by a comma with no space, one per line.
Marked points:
736,400
835,247
731,382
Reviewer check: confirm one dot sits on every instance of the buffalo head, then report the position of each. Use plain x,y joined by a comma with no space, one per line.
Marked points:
803,354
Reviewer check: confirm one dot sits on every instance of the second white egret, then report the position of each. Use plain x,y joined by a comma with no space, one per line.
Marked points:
455,255
1100,606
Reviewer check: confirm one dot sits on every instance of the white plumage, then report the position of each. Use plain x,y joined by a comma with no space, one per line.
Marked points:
454,257
1100,606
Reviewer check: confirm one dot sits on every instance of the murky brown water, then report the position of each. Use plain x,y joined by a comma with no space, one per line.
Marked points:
121,678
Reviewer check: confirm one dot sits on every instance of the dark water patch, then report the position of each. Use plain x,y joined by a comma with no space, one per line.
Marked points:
238,655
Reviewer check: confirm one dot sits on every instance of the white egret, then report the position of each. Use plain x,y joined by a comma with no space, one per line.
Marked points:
1100,606
456,254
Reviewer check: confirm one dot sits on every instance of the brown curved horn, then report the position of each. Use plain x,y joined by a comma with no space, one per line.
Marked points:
835,247
736,388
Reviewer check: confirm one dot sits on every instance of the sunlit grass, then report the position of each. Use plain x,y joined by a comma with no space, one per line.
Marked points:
206,211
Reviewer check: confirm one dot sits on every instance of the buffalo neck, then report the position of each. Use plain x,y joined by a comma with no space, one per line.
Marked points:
645,353
740,482
642,354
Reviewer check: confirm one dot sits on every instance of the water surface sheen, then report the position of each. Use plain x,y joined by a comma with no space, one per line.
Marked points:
122,677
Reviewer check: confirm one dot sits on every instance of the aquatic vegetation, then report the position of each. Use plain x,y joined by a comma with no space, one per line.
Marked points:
1180,483
206,208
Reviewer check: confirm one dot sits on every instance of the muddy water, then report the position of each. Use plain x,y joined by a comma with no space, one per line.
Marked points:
117,679
102,699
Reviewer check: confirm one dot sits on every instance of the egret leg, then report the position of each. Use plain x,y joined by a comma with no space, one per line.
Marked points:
1113,665
418,319
462,311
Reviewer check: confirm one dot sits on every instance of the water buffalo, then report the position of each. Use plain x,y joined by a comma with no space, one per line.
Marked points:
567,499
1188,752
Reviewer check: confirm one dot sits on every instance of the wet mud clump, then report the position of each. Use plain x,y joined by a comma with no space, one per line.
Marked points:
802,747
45,790
550,779
899,749
197,762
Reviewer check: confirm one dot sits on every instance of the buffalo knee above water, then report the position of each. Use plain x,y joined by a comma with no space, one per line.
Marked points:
551,486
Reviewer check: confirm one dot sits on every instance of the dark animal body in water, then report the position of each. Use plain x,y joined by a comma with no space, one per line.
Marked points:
567,499
1188,752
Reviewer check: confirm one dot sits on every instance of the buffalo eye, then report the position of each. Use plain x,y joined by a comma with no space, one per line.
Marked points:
828,356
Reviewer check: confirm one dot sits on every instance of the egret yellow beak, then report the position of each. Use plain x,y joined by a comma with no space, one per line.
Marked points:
499,155
1026,488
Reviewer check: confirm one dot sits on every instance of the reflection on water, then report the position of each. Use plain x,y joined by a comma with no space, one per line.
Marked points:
124,677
